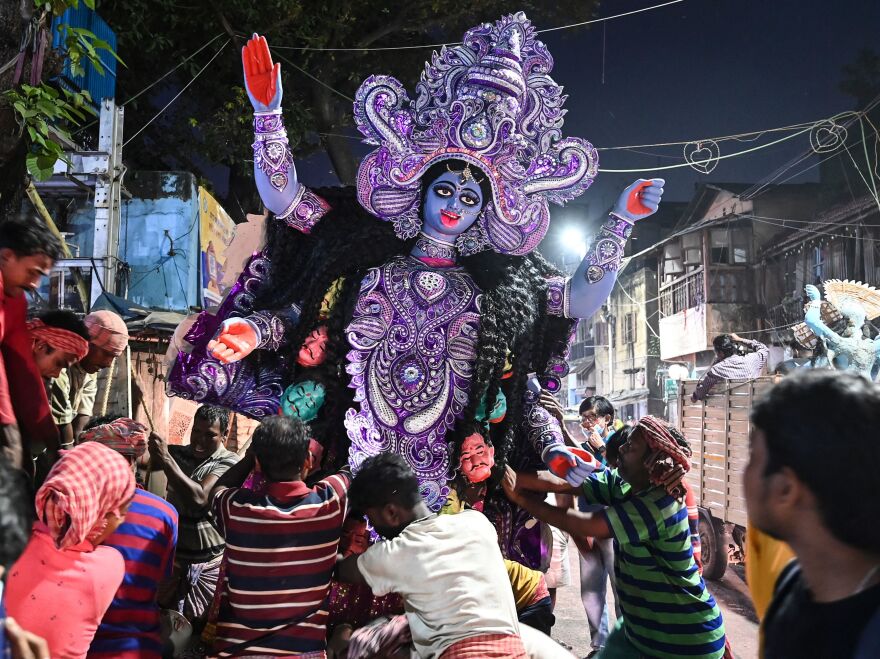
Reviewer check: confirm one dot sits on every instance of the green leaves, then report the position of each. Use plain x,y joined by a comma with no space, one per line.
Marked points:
82,46
44,112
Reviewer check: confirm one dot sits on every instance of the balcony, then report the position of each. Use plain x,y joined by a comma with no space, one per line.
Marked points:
683,293
581,350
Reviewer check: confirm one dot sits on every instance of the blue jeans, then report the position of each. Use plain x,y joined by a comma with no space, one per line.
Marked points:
597,566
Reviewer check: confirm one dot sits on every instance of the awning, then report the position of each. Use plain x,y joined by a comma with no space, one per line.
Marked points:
587,365
628,396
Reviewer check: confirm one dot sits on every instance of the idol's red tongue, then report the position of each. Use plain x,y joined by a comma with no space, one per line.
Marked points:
449,218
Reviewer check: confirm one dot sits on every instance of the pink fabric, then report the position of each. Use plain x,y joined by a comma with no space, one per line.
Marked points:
28,392
62,594
107,331
540,592
88,482
487,646
125,436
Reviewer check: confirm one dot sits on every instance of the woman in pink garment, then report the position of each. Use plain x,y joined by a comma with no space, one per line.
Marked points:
64,581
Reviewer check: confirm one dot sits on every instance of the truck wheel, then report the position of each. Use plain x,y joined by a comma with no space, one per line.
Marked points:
713,548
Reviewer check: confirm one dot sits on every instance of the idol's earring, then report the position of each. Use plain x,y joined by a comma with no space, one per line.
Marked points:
474,240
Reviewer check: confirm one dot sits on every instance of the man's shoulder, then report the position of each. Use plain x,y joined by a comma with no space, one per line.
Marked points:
62,382
472,520
159,506
225,456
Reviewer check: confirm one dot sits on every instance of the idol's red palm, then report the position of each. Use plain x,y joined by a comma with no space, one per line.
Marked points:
262,78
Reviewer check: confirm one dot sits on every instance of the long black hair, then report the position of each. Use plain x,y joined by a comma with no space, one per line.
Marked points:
344,245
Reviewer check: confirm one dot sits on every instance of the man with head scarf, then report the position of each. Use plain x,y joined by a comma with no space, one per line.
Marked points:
146,540
65,580
667,611
59,340
72,392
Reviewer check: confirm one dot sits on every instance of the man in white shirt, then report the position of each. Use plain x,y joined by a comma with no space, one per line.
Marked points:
448,568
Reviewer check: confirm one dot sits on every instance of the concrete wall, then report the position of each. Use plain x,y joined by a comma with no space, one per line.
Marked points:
634,364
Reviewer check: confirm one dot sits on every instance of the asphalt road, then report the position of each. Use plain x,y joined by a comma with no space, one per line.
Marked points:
731,594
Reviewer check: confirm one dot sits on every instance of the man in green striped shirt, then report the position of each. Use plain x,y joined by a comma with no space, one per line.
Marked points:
667,611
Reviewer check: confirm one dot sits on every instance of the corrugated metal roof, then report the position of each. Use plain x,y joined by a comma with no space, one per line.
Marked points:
99,86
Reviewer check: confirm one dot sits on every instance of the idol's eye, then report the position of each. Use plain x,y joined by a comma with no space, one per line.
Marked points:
442,190
469,199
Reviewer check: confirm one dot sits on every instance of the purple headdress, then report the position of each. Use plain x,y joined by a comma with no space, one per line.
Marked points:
491,103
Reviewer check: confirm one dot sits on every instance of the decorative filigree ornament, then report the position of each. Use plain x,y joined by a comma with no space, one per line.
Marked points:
271,151
435,249
491,103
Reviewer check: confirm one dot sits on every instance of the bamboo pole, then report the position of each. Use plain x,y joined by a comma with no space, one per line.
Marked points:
37,201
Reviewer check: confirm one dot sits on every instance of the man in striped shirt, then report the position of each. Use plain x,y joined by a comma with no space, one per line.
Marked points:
667,611
281,547
146,540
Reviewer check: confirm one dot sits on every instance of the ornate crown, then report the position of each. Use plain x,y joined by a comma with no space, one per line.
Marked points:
491,103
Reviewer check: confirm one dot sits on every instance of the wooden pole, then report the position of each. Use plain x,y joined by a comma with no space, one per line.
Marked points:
43,212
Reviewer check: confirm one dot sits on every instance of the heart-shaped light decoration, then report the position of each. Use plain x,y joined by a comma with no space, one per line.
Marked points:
827,136
702,156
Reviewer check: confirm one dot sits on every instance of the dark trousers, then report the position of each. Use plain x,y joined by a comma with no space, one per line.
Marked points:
539,615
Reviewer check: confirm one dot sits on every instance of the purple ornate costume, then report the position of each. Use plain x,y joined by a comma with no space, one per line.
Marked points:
415,329
413,339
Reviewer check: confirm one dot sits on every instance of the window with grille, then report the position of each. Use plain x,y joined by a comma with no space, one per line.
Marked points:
820,256
730,246
629,328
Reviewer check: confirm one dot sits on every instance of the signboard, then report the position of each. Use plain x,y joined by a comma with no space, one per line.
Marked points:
671,390
683,333
216,230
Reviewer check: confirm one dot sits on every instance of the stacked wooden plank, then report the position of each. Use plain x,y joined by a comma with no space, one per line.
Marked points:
718,431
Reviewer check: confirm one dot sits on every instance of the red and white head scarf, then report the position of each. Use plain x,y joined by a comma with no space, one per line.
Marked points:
88,482
665,453
125,436
59,338
107,331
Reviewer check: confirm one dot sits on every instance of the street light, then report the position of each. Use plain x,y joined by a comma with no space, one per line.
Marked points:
574,241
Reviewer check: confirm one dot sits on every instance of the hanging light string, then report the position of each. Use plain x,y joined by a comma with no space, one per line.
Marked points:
458,43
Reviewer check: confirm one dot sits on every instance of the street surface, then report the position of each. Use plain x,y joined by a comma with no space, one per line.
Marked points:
731,594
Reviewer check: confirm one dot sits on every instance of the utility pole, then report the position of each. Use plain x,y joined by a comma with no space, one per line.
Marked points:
107,200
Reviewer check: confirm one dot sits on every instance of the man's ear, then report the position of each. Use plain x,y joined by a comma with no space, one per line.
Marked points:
391,513
785,489
308,465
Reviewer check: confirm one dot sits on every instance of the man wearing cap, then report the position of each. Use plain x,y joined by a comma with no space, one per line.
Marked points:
72,393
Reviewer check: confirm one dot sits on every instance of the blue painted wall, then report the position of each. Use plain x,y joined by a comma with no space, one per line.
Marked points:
159,239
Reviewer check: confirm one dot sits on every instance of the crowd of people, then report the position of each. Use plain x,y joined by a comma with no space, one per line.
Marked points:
264,554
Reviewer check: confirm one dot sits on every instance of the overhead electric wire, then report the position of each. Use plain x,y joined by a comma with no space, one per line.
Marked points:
178,94
458,43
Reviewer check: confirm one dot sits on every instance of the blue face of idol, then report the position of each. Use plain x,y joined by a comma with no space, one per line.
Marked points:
451,205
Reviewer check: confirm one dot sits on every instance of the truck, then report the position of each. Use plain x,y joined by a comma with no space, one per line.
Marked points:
718,430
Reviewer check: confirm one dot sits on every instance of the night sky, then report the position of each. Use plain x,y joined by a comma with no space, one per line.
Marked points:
698,69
